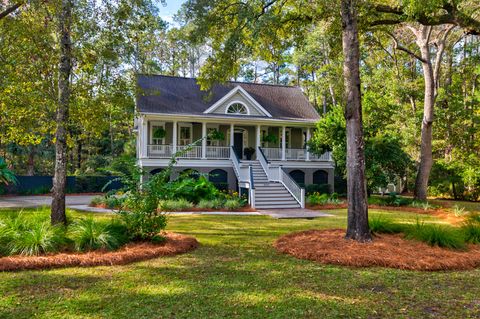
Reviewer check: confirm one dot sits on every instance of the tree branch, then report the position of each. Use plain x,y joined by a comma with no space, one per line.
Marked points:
10,9
401,48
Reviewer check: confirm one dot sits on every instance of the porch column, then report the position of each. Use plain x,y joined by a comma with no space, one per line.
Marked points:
231,134
204,140
258,137
144,152
284,142
307,156
174,137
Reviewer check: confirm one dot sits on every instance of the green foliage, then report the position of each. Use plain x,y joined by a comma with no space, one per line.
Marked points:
211,203
6,175
315,188
423,205
383,225
89,234
323,199
471,228
391,200
171,205
29,236
217,135
159,133
436,235
270,138
233,203
191,189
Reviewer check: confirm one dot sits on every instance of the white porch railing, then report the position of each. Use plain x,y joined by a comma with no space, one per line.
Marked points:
218,152
160,151
166,151
191,152
293,154
327,156
297,192
272,153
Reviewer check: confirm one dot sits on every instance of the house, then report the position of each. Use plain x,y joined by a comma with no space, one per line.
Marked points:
257,136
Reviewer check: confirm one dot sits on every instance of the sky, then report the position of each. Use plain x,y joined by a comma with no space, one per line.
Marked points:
167,12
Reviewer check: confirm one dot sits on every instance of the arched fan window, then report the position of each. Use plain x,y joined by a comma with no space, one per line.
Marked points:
237,108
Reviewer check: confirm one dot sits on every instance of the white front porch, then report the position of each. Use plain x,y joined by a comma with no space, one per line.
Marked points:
162,139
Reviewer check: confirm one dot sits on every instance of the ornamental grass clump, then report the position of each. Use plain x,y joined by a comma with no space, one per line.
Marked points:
29,236
233,204
383,225
436,235
89,234
172,205
211,204
471,229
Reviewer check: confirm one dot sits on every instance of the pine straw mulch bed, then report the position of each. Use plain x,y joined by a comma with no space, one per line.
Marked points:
440,213
392,251
174,244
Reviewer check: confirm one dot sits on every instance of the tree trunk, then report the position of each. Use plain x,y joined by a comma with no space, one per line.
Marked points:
426,158
64,69
357,227
31,161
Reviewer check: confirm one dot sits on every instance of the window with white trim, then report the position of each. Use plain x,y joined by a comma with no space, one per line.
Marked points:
237,109
157,134
185,135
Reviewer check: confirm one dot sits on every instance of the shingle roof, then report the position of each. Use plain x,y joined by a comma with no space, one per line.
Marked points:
177,95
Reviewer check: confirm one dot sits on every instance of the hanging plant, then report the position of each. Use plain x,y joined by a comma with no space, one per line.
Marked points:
270,139
217,135
159,133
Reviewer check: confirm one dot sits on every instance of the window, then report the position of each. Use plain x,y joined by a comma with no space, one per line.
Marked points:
185,135
237,109
157,133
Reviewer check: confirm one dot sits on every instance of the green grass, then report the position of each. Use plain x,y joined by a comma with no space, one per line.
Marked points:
235,273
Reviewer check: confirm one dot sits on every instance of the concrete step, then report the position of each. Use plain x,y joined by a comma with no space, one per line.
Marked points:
270,206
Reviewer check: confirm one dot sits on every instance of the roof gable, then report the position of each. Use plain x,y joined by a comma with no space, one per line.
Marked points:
238,95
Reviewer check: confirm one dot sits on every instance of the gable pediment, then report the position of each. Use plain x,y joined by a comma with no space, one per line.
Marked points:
238,96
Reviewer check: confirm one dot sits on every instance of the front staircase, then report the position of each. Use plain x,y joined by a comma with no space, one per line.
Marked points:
268,194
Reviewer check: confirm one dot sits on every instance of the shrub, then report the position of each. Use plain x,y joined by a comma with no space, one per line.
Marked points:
317,199
232,204
170,205
458,211
97,200
424,205
88,234
436,235
322,199
318,188
113,202
191,189
391,200
471,229
19,235
211,204
384,225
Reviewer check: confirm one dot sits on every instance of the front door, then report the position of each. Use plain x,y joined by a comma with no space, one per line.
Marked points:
238,144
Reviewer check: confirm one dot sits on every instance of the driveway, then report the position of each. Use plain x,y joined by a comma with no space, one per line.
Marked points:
39,201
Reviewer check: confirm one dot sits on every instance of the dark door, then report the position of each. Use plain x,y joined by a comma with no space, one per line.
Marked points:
238,144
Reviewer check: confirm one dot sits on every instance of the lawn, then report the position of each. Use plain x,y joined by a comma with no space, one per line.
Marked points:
237,274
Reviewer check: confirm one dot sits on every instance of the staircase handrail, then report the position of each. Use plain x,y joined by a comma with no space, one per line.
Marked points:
297,192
